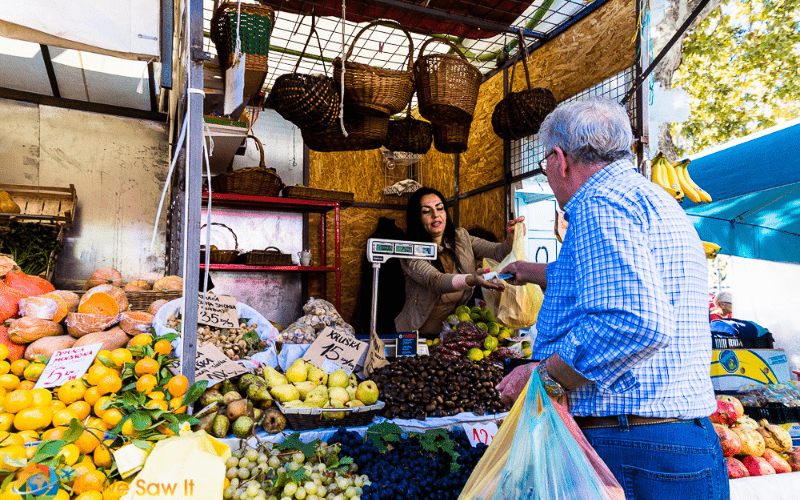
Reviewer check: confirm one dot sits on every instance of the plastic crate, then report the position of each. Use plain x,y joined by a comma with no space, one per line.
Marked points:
725,342
775,413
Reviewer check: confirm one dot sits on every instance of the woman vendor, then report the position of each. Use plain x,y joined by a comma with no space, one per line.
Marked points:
435,288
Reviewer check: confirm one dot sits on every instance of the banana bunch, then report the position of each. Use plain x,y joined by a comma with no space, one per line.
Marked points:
711,249
676,181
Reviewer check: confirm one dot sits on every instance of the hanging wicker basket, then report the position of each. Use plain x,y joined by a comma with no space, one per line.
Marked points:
255,181
257,22
409,135
447,85
364,132
372,90
221,256
520,114
451,138
309,101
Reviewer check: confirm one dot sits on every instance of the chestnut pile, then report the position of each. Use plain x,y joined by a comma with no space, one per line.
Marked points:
429,386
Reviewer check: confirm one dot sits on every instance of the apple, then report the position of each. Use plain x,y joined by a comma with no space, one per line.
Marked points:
367,392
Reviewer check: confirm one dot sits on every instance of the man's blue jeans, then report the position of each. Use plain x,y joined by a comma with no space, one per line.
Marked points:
671,461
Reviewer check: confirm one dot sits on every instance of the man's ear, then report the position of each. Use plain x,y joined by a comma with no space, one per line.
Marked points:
563,165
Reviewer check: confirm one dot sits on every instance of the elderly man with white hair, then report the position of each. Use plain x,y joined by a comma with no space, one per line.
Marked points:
623,330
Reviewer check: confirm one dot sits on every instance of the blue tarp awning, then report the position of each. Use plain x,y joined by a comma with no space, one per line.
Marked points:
755,184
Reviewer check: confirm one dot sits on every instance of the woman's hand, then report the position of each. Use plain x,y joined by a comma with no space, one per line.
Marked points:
510,228
477,280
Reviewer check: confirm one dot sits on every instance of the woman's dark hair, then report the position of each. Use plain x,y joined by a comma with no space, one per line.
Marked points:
414,229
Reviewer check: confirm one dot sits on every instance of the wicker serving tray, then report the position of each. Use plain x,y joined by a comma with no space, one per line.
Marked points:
301,419
270,256
318,194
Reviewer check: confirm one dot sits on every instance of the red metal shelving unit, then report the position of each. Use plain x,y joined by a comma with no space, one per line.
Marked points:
274,204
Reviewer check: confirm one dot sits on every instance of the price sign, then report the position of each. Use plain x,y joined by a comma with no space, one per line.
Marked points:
376,355
406,344
220,311
211,364
343,350
66,365
480,433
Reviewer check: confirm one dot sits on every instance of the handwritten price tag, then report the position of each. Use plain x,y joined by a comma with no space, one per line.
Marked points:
66,365
220,311
344,350
480,433
211,364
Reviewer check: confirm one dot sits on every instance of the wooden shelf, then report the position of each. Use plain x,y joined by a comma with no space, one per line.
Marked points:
292,269
270,203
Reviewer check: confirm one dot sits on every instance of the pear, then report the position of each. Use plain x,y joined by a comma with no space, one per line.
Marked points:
333,415
351,391
273,377
274,421
338,394
297,372
294,404
338,379
249,379
285,393
220,426
242,427
227,386
317,397
239,408
210,396
230,397
367,392
305,388
317,375
352,380
258,393
353,403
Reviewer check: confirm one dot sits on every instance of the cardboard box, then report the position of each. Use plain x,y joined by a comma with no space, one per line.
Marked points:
732,369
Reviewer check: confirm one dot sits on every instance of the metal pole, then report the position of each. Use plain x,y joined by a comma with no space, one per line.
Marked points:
373,318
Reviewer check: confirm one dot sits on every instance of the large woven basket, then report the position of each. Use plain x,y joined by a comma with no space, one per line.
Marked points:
255,181
270,256
447,85
222,256
309,101
257,22
364,132
409,135
451,138
520,114
372,90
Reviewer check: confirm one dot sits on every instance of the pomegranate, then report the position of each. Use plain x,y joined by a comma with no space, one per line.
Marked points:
730,442
757,466
725,414
737,405
793,459
736,469
752,442
776,461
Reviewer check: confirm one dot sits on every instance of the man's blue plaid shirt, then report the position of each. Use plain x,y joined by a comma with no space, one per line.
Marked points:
627,301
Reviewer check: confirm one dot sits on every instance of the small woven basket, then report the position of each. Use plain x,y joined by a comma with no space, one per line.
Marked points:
409,135
257,22
222,256
255,181
447,85
520,114
270,256
451,138
364,132
309,101
372,90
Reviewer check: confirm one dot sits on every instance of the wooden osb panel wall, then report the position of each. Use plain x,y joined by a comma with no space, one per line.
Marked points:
482,163
485,210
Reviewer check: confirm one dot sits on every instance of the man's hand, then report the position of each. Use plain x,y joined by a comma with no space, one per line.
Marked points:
514,383
526,272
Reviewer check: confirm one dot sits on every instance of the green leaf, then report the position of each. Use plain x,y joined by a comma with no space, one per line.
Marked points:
299,476
47,449
128,387
107,362
7,481
14,462
168,337
165,373
170,418
383,433
194,392
74,432
129,398
141,420
293,443
144,445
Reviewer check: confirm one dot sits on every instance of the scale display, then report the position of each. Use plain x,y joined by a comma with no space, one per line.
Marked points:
379,247
401,249
425,251
381,250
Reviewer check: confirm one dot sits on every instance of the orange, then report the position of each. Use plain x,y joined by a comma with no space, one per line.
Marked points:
71,391
3,351
18,366
104,353
112,417
53,434
178,385
90,495
9,381
102,454
157,404
5,421
33,371
116,491
42,397
81,409
5,367
162,347
146,383
61,495
175,405
96,373
121,356
8,439
91,395
63,417
156,395
26,385
146,365
110,384
2,391
128,429
29,436
98,406
89,440
70,452
17,400
163,429
33,418
57,405
30,451
142,339
11,451
8,493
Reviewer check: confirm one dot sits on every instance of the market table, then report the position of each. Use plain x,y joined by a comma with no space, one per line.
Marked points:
778,487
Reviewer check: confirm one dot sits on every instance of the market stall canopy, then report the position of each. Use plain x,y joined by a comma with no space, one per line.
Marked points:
755,183
128,29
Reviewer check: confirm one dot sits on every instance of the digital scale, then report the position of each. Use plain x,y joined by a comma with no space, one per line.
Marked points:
380,250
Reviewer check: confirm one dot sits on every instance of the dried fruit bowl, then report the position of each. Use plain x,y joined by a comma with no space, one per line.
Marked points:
302,419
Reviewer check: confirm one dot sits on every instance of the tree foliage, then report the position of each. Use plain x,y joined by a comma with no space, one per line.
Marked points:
741,67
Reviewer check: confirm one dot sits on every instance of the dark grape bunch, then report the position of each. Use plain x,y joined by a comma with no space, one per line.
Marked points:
407,471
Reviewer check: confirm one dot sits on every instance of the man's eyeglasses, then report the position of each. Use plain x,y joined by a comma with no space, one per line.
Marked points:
543,162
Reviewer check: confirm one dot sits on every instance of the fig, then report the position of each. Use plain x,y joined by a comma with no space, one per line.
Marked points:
274,421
